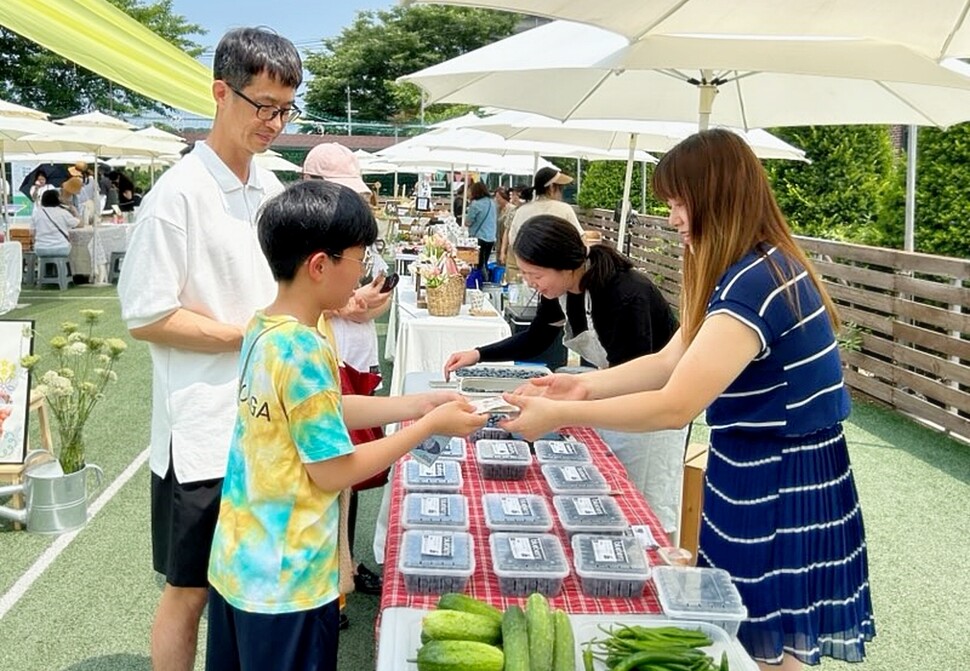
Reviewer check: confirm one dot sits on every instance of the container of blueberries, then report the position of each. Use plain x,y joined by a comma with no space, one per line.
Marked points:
590,514
700,593
561,451
610,565
444,512
522,513
443,476
566,479
503,459
527,563
434,562
491,430
504,372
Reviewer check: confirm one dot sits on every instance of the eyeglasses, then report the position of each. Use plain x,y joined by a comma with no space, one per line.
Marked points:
365,263
270,112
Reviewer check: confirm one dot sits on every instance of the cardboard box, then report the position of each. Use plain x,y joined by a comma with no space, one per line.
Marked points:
695,465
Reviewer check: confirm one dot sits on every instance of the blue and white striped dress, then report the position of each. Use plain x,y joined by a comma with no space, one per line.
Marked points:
781,513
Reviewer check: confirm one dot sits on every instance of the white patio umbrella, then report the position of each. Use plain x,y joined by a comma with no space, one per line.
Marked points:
578,71
938,29
17,121
271,160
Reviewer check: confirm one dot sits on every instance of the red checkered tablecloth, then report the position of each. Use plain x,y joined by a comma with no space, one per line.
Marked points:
484,584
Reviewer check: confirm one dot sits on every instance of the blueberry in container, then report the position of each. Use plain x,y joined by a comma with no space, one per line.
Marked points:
443,475
575,479
590,514
444,512
700,593
507,372
561,451
503,459
435,562
527,563
491,430
610,565
522,513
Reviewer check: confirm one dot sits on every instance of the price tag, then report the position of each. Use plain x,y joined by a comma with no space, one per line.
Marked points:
608,550
588,505
503,449
436,545
434,506
562,447
574,474
515,506
526,548
435,470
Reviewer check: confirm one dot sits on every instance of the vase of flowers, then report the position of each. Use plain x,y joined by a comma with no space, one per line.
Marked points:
439,272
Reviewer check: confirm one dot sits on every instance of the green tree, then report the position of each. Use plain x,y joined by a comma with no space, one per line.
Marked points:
942,223
382,45
838,195
39,78
602,186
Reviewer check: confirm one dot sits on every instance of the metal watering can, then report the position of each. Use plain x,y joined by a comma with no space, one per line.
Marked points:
54,503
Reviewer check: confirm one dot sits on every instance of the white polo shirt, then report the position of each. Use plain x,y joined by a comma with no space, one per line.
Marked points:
541,205
194,246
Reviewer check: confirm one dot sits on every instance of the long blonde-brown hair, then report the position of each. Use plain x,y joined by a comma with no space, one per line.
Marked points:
731,210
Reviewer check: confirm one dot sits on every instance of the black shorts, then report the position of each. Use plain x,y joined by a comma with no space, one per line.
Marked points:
183,522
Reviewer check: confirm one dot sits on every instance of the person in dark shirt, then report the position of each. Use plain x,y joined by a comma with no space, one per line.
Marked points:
609,313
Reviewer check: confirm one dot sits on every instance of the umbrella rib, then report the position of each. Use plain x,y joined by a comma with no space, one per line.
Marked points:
591,91
744,112
666,15
956,26
901,99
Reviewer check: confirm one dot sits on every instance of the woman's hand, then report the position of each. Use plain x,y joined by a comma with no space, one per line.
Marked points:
559,386
460,360
537,416
455,418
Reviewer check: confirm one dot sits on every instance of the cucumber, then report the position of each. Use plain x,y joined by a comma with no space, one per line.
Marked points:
564,645
459,656
463,602
515,640
541,632
455,625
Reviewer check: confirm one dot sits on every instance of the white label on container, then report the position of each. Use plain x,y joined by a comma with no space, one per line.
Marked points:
436,545
434,506
435,470
574,474
608,550
561,447
528,548
502,449
515,506
588,505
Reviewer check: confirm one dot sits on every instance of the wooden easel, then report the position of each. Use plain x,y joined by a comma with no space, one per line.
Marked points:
13,473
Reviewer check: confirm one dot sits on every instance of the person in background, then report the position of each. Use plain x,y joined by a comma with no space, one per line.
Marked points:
608,313
506,212
208,276
51,224
482,220
129,201
68,194
39,186
88,205
757,349
544,197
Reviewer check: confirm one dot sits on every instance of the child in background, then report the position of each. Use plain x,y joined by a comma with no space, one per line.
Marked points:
274,568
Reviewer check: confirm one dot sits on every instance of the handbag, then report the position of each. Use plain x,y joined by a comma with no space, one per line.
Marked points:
353,381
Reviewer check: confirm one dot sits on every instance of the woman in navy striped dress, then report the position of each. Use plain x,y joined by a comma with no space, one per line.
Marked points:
757,349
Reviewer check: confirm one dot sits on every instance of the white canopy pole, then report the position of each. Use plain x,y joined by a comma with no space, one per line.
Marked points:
909,230
3,190
707,92
579,173
451,189
643,188
535,162
628,180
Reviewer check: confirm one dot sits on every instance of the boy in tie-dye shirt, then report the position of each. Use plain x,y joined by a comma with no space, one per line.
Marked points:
273,568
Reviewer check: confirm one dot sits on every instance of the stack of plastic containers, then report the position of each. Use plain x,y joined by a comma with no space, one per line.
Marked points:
609,565
527,563
704,594
436,562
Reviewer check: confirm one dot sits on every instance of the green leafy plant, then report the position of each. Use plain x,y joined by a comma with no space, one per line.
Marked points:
82,367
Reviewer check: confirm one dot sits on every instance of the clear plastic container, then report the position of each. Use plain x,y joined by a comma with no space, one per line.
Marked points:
590,514
454,449
704,594
491,430
443,475
439,447
561,451
610,565
442,512
503,459
527,563
506,372
435,562
522,513
567,479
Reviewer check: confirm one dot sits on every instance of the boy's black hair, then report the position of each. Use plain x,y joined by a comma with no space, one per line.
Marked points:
50,198
243,53
552,242
309,217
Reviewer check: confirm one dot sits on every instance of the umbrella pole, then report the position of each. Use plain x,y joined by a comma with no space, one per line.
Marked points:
395,184
535,162
579,174
627,181
643,189
707,93
3,190
151,168
451,188
909,230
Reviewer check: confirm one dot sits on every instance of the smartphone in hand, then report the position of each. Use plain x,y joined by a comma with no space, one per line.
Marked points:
390,282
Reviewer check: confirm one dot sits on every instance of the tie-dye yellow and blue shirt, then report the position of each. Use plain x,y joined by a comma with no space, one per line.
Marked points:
275,544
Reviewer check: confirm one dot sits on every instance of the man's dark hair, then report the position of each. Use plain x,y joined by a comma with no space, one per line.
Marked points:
243,53
50,198
309,217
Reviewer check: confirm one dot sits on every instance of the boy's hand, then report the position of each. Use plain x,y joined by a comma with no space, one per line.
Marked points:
456,418
429,400
537,416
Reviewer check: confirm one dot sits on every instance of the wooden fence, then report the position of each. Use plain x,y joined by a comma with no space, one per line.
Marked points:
906,316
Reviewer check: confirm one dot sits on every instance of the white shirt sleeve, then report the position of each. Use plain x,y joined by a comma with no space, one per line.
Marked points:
154,271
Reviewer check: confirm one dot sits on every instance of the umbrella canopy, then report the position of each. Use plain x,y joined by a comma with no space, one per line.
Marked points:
55,168
938,29
273,161
424,159
17,121
566,70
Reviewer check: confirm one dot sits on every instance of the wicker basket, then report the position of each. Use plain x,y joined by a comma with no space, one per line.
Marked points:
446,300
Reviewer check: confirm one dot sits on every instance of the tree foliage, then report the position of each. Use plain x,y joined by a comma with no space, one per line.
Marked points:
602,186
39,78
380,46
942,223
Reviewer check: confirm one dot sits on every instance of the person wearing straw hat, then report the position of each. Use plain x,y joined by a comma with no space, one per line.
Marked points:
88,196
70,188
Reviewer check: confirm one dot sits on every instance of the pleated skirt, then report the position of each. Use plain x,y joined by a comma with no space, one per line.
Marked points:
782,516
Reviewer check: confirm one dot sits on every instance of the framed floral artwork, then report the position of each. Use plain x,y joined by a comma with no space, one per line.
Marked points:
16,342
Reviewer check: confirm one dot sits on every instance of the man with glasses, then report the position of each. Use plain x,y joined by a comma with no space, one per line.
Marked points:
195,277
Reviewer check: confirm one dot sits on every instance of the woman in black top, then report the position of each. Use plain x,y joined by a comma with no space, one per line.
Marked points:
610,313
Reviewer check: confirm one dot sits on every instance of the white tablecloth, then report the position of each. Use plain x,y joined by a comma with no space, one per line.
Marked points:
85,254
11,275
420,342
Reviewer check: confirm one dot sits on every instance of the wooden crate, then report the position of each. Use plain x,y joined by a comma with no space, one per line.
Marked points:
468,254
692,502
25,236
